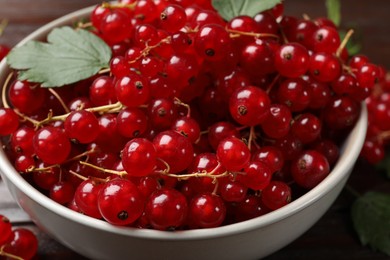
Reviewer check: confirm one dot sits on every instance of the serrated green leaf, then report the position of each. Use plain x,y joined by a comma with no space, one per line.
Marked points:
67,57
229,9
334,11
371,219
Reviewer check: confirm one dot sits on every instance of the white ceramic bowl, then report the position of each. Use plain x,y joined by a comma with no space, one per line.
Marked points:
251,239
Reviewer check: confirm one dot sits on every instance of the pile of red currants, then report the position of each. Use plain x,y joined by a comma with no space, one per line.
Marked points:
198,122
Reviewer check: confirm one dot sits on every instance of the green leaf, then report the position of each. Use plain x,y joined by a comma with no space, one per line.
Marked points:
68,56
371,219
229,9
334,11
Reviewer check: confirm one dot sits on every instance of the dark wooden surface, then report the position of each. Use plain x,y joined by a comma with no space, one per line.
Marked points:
332,237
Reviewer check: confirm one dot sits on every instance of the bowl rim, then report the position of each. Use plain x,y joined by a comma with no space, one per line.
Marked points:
353,145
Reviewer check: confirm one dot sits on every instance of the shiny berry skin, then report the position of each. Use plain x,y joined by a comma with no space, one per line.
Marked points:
62,192
257,58
23,243
116,26
132,90
220,131
175,149
102,91
249,105
188,127
166,209
294,93
173,18
278,122
9,121
232,191
233,154
207,211
21,140
257,175
342,112
306,127
324,67
26,97
276,195
86,198
309,169
120,202
270,156
6,230
292,60
82,125
325,39
139,157
212,41
132,122
51,145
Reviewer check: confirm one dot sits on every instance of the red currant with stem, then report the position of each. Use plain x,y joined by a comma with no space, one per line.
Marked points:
207,210
132,122
86,198
302,32
97,15
292,60
26,97
174,149
6,230
82,125
166,209
23,243
310,168
62,192
206,17
276,195
51,145
132,90
45,179
204,162
80,103
109,137
120,202
139,157
257,58
249,105
24,163
358,61
9,121
344,84
233,154
367,75
266,23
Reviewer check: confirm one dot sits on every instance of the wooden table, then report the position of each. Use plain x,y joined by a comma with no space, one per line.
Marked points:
332,237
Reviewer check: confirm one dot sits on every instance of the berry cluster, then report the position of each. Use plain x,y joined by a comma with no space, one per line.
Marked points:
198,122
17,243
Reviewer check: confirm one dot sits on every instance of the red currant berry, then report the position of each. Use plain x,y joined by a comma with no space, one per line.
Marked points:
23,243
6,230
139,157
82,125
9,121
309,169
233,154
207,211
120,202
292,60
276,195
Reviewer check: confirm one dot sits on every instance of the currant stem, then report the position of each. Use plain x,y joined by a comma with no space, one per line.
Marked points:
12,256
119,5
252,137
344,42
179,102
119,173
235,33
58,97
